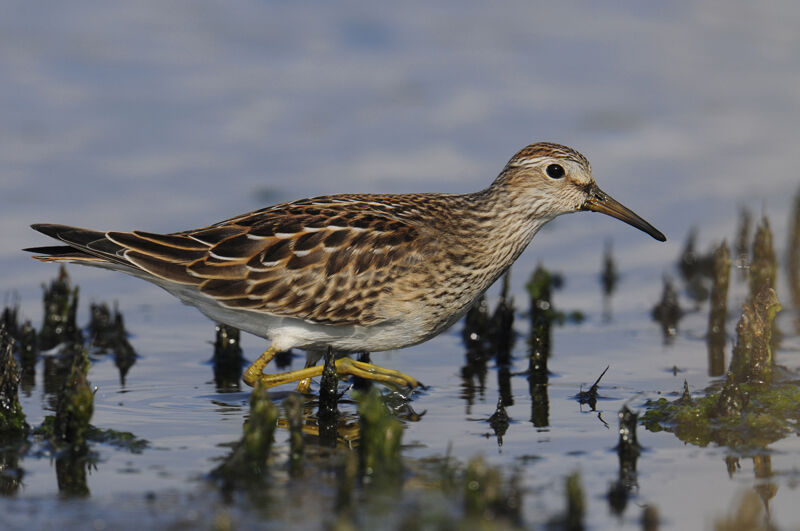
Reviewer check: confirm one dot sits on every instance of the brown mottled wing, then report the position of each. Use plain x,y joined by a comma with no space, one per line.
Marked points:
328,259
323,260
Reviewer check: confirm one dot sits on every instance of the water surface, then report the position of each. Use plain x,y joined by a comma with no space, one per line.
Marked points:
166,117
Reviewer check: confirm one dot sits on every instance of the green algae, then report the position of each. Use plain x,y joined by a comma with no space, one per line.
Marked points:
576,503
293,405
67,434
249,460
124,440
753,407
763,264
740,417
259,430
752,359
75,405
12,418
70,427
793,258
60,309
487,496
542,315
716,336
381,437
540,288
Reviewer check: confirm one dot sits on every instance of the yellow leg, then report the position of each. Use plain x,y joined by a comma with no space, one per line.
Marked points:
369,371
304,385
344,366
254,371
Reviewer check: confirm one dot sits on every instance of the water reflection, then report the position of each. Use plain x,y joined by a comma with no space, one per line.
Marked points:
13,425
67,434
11,473
474,334
667,312
328,418
755,405
589,397
742,247
542,316
696,270
765,487
71,470
609,278
371,486
25,344
499,421
107,334
628,451
765,490
488,336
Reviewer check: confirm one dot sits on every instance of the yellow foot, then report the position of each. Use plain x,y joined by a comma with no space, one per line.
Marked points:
251,375
344,366
304,386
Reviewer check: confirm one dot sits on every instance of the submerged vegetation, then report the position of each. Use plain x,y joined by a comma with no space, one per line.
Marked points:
756,403
718,312
67,434
369,486
363,447
793,258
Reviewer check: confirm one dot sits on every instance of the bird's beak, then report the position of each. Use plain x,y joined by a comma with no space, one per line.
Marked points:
599,201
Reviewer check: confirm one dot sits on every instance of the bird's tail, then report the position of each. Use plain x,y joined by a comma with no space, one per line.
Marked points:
82,245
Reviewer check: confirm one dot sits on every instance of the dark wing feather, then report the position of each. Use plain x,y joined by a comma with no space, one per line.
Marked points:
323,260
328,259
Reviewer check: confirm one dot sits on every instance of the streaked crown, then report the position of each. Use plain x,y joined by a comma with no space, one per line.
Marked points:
535,154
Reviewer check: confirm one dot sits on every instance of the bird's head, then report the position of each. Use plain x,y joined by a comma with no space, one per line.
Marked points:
550,179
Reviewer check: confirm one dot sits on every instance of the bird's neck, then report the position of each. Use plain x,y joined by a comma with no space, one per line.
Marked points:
496,226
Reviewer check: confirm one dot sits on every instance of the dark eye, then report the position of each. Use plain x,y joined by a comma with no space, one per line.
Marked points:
555,171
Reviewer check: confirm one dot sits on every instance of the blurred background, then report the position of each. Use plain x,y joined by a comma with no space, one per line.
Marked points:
164,116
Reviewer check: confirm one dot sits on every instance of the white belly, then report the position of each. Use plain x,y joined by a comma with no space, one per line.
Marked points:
290,332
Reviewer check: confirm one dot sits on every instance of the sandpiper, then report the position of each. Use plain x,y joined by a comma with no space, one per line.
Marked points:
352,272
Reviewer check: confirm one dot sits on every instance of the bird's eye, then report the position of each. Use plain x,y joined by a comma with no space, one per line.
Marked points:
555,171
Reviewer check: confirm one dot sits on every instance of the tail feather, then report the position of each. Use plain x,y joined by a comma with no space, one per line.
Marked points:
83,245
69,235
143,254
60,253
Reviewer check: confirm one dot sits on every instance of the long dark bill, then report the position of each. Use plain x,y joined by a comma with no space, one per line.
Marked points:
599,201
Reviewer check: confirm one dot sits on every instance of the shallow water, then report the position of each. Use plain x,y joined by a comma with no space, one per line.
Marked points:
162,118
